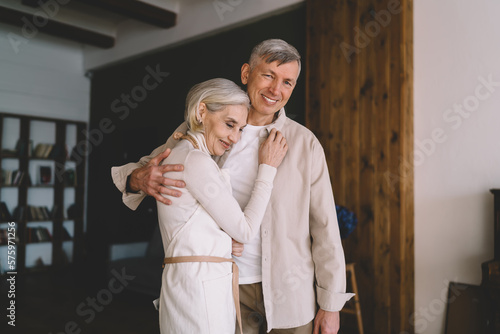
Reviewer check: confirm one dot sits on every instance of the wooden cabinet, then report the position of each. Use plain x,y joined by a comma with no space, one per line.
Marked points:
491,271
42,189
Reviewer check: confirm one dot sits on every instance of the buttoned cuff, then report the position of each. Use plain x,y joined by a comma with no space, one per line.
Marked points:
332,301
119,175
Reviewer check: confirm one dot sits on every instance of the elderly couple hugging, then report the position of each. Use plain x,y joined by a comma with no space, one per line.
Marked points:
213,181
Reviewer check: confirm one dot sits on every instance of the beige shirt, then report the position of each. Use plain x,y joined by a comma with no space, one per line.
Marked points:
302,256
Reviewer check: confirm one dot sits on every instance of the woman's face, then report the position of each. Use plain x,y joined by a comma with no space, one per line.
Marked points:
223,128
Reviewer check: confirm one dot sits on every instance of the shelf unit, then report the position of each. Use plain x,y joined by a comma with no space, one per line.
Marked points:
56,195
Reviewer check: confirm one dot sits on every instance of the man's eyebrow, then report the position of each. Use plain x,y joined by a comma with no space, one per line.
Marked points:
286,79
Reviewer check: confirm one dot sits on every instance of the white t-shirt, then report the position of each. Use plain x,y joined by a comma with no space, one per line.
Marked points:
242,164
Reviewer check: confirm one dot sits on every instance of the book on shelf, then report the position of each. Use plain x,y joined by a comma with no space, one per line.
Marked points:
43,150
32,212
44,175
69,177
4,236
12,177
9,153
24,148
19,213
43,234
4,212
59,151
39,213
37,234
50,151
18,177
7,177
38,152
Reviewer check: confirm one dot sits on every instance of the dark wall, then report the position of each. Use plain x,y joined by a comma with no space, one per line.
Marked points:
134,116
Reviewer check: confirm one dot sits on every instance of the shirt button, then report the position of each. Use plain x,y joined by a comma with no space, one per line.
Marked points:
265,233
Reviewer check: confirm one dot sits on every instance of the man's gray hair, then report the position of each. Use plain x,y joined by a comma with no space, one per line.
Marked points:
272,50
216,94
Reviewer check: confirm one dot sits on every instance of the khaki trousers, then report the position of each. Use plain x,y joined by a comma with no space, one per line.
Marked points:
253,314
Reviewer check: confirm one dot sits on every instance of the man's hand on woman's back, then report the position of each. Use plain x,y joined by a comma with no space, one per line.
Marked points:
150,180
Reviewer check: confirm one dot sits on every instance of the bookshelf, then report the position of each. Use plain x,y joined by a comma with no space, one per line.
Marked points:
42,190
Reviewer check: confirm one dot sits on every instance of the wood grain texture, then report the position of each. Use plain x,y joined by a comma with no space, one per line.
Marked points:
359,103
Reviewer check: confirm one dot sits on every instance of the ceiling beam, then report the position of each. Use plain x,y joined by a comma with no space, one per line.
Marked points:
138,10
33,23
32,3
134,9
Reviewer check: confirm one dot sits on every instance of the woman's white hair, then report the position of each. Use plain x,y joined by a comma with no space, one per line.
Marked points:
216,94
272,50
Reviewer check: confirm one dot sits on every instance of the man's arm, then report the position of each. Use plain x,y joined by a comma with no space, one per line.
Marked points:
326,322
149,179
327,252
146,176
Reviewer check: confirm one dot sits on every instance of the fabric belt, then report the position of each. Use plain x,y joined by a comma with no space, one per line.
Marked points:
216,259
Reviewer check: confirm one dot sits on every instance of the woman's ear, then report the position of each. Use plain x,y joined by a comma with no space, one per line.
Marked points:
202,112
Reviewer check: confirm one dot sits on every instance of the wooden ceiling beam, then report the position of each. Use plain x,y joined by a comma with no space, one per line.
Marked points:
33,23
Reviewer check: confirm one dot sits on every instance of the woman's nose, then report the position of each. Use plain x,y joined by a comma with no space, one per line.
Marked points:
234,136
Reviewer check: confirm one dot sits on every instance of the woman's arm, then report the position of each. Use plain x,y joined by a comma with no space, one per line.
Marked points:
205,182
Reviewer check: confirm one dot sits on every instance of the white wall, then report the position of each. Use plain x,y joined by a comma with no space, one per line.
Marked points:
456,43
42,76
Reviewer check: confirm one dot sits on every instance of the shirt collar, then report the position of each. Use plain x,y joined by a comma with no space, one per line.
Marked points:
279,122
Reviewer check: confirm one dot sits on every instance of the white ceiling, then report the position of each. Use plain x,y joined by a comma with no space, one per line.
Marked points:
127,36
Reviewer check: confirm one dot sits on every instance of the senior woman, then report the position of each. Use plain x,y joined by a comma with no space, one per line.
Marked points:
197,282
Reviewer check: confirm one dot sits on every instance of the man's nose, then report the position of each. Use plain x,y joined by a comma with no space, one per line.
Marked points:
274,89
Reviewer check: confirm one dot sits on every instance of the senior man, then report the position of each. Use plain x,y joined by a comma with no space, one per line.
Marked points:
297,262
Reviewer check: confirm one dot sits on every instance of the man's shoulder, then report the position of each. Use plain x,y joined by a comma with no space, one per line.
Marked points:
292,125
298,131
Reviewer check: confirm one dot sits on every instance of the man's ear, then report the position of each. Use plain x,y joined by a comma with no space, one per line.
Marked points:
245,72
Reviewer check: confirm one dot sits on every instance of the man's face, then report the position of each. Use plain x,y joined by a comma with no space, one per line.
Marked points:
269,87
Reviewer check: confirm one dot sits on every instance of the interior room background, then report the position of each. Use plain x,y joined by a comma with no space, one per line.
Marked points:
453,53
